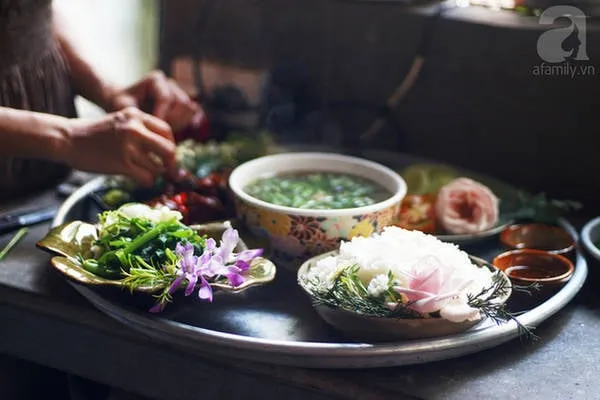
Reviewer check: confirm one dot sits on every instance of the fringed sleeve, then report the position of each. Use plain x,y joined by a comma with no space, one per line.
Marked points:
33,76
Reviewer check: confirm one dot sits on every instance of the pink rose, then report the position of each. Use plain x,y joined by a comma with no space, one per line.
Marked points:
464,206
432,286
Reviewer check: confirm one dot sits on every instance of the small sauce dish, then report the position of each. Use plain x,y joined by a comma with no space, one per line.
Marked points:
549,238
528,266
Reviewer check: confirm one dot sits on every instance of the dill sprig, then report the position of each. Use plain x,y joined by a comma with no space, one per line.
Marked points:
486,302
142,274
346,291
349,293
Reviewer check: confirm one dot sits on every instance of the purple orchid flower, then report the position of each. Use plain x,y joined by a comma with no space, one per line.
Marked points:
244,258
205,292
215,261
231,272
229,240
215,266
235,277
210,245
187,268
186,253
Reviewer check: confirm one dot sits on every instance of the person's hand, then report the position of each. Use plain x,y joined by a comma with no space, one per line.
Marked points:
158,95
127,142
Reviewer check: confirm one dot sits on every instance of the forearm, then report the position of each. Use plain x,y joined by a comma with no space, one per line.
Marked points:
86,80
28,134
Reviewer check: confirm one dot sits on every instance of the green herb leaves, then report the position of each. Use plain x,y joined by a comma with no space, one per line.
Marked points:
539,208
135,243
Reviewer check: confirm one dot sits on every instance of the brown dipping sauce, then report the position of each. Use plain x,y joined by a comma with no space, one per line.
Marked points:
538,236
534,265
535,272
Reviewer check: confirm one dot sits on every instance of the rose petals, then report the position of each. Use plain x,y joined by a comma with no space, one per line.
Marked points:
464,206
432,285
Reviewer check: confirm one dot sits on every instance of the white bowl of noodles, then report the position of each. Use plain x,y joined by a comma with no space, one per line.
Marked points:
403,284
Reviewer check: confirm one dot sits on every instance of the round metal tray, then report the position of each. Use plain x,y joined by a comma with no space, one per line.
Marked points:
276,323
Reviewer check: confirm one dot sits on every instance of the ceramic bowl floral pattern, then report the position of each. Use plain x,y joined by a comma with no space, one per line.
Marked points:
297,234
295,238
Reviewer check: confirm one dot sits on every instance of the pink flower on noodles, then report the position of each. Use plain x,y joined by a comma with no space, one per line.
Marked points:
430,287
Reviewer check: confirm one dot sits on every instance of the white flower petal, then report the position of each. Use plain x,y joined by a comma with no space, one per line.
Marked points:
378,285
135,210
457,311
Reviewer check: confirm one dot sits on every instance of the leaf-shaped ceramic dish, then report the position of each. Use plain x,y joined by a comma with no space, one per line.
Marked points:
74,238
372,328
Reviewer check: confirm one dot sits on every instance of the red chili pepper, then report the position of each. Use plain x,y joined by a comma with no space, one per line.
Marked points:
180,198
175,202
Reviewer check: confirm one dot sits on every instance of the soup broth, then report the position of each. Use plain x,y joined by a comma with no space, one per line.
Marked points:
318,190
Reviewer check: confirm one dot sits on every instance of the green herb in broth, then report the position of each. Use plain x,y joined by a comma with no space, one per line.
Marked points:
317,190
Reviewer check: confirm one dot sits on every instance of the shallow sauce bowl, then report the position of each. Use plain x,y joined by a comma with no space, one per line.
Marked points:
296,234
553,239
528,266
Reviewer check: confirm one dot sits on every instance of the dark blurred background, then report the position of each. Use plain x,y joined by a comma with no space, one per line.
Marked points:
321,71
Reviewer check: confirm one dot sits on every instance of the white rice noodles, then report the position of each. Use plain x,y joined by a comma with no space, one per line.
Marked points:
433,275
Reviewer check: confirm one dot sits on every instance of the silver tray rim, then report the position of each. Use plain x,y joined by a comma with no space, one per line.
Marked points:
324,354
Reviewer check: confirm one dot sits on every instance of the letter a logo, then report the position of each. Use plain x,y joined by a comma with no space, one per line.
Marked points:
565,43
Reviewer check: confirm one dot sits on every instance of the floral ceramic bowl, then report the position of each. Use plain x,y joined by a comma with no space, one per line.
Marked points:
296,234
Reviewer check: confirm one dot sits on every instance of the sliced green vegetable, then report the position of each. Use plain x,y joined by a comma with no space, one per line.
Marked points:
21,233
317,190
